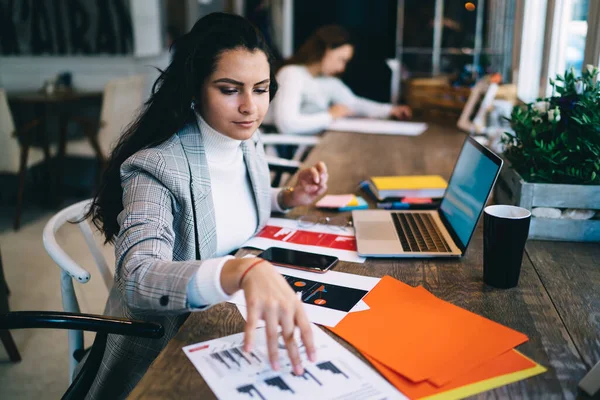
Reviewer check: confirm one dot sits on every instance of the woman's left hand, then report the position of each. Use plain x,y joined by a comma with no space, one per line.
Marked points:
401,112
311,183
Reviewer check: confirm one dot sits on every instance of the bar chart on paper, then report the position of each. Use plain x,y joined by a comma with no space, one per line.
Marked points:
233,373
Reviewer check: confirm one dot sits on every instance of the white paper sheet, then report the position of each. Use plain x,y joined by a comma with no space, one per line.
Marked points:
290,226
378,126
234,374
319,314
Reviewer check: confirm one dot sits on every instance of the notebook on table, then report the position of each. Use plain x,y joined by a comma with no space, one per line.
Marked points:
414,186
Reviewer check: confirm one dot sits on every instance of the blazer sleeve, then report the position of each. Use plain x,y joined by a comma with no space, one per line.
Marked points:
149,280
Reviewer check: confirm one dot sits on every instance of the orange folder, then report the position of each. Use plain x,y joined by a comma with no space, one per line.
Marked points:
506,368
422,337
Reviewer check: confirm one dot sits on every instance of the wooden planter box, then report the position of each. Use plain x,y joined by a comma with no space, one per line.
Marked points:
512,189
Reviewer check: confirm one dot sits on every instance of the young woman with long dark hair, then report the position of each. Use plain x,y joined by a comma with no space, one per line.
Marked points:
186,185
311,96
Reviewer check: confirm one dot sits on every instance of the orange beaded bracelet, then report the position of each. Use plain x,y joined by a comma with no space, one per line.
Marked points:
254,264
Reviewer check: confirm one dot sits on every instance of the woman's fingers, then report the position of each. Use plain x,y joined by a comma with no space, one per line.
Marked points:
306,334
321,190
250,328
316,177
272,323
287,333
321,167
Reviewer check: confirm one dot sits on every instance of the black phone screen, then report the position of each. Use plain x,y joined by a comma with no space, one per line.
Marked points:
299,259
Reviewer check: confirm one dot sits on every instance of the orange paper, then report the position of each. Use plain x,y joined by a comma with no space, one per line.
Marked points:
422,337
506,363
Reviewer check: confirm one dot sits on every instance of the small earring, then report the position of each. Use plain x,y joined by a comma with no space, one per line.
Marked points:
193,105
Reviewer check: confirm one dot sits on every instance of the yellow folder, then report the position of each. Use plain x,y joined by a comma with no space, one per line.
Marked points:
411,182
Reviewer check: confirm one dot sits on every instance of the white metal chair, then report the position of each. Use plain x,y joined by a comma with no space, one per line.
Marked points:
282,168
121,102
17,157
71,270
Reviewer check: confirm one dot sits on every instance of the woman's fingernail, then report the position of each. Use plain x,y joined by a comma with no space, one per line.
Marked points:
298,370
312,356
276,365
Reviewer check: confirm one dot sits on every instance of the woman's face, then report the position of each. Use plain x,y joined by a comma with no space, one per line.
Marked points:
334,60
235,97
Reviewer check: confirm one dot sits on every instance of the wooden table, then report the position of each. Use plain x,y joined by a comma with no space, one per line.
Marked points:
557,302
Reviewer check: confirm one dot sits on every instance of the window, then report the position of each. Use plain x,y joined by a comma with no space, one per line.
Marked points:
463,39
562,39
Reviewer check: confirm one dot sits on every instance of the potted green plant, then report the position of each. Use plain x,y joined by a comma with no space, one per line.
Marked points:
553,155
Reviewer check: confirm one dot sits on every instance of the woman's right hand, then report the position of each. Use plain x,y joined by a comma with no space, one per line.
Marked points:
339,111
270,298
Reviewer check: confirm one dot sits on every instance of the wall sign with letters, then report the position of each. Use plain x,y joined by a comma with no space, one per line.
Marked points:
65,27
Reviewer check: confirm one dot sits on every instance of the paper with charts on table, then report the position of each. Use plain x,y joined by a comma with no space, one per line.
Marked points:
234,374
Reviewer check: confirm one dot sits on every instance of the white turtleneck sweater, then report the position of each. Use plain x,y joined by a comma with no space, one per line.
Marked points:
235,211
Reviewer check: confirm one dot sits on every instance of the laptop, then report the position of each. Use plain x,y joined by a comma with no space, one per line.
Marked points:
444,232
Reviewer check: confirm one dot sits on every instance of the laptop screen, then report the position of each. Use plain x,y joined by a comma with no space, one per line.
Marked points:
470,184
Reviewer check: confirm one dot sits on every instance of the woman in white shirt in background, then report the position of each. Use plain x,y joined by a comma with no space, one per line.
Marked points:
310,95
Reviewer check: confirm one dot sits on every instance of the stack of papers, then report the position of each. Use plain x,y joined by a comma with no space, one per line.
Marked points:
416,186
426,346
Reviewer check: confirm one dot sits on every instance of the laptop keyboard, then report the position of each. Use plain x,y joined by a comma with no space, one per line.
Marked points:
419,233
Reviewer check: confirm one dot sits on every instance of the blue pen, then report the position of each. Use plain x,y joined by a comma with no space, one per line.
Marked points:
394,205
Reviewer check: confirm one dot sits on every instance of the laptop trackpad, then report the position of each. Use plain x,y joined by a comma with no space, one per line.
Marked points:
376,231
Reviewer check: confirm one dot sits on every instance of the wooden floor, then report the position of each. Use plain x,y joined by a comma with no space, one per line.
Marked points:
557,302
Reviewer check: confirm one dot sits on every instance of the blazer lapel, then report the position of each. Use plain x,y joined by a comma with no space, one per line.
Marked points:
258,171
202,201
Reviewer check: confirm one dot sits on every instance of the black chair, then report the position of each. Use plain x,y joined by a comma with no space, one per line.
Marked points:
86,322
5,336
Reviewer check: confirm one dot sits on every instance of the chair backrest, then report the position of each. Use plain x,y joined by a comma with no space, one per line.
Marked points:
71,270
9,145
122,100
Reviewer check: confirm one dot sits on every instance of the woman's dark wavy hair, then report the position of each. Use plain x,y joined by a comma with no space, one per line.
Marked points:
168,109
313,49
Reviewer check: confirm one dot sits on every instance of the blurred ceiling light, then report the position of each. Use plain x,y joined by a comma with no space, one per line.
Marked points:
470,6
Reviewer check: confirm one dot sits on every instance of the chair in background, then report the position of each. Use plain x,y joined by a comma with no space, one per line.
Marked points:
5,336
76,322
121,103
73,320
282,168
16,153
71,270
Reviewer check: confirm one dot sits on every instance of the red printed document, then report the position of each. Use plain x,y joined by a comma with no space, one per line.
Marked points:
319,238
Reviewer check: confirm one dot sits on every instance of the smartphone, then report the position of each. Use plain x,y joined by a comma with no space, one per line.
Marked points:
312,262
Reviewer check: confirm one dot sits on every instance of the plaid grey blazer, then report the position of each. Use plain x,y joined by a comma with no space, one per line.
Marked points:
167,224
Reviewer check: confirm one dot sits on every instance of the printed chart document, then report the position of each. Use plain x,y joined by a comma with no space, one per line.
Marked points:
327,297
234,374
321,239
378,126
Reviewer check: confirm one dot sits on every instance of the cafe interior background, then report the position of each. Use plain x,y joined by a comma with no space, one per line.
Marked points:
424,53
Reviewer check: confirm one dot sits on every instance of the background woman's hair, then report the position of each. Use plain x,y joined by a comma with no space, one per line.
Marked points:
313,49
168,109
